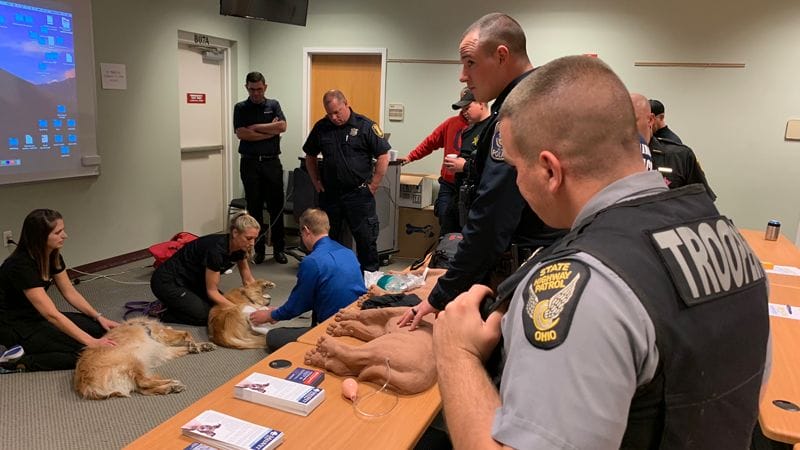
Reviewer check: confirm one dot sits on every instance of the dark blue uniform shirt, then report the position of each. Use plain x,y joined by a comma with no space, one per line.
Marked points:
246,113
497,217
347,150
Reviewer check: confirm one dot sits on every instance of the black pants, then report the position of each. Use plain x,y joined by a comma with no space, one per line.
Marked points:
263,182
278,337
357,209
184,305
446,208
46,347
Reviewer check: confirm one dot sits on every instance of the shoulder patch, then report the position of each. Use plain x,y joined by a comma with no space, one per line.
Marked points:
497,145
377,130
549,302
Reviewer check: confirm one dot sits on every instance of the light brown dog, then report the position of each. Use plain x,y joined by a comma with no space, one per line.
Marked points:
411,368
142,344
228,326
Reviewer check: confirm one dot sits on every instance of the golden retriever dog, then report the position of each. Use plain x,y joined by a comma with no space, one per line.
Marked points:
142,344
229,326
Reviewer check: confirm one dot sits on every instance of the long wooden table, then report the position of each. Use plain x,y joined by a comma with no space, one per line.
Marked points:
784,383
333,425
780,253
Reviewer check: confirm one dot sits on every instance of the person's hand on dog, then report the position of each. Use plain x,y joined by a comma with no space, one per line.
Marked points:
262,316
414,315
103,342
459,329
107,324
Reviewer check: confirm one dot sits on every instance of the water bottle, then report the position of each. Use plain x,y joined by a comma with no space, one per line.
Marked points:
773,230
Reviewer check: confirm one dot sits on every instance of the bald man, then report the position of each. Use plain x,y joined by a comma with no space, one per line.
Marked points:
646,326
676,162
644,123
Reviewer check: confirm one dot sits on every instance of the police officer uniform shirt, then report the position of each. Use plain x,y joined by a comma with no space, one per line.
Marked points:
678,164
246,113
347,150
595,344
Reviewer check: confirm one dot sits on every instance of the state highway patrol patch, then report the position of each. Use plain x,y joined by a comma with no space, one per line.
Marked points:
549,302
497,144
377,130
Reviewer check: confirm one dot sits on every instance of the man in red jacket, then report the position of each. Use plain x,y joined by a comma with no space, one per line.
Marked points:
447,136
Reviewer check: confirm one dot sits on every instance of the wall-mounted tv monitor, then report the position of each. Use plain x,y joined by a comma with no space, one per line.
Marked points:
293,12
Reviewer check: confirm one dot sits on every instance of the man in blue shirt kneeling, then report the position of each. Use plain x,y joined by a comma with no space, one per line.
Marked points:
329,279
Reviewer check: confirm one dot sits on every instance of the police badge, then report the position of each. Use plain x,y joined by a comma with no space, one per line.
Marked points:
497,144
550,300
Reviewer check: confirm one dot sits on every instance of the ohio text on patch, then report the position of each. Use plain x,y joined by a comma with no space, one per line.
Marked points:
549,302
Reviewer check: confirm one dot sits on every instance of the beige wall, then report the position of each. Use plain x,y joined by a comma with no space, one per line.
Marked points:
733,118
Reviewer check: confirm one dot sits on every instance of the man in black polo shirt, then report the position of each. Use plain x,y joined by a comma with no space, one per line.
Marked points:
347,182
259,122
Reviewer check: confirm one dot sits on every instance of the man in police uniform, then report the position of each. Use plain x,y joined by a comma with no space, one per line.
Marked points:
675,161
494,59
347,183
646,326
259,122
660,128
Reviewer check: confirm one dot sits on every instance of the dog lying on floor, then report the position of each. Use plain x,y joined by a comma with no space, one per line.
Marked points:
228,326
142,343
410,354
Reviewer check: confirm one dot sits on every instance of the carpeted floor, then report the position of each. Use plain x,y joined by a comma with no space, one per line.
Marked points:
40,409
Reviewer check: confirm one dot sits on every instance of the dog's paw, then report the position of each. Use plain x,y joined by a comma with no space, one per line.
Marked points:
177,387
207,346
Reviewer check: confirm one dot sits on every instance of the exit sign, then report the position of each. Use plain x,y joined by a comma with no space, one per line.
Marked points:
194,97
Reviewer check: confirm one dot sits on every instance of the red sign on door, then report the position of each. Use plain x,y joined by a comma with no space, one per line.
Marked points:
194,97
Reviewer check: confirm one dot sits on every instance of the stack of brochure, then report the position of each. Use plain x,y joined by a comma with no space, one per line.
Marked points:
289,396
229,433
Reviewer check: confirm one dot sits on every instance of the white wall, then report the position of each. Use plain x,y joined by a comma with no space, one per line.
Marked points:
733,118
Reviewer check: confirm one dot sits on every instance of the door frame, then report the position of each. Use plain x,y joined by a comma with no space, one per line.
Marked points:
229,168
309,52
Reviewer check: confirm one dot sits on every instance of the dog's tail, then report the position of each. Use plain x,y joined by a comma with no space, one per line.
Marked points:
241,343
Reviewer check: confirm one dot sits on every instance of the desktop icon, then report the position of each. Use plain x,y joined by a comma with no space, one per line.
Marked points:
61,109
13,142
57,123
71,123
58,138
28,139
42,123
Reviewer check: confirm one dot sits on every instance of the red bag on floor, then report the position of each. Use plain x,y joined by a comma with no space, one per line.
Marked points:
164,250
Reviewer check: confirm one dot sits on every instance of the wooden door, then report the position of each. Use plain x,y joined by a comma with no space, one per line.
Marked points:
357,76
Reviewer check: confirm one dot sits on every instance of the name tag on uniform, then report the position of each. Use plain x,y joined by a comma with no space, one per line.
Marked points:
707,259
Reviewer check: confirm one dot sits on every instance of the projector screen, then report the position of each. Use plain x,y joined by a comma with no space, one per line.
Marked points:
47,91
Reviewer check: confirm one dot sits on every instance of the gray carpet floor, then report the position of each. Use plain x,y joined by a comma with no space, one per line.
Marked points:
40,409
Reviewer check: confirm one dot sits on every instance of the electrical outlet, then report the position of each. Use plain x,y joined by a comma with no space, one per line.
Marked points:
7,237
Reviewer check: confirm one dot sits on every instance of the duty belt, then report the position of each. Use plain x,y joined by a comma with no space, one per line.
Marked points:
260,158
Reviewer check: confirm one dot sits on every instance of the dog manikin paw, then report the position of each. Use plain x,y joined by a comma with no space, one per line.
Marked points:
207,347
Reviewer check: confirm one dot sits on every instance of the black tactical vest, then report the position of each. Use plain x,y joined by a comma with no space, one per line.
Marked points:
706,293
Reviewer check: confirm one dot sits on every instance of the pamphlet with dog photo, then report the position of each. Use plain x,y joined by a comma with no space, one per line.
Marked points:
289,396
229,433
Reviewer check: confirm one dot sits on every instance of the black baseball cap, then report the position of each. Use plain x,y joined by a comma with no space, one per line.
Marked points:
656,107
466,99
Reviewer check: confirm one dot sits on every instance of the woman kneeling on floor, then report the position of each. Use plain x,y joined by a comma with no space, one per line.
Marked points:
28,316
188,282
